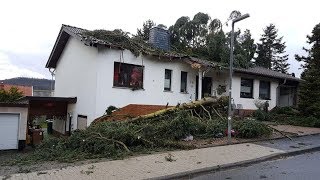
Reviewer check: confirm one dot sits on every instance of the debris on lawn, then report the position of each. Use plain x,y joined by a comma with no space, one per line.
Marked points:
170,158
162,130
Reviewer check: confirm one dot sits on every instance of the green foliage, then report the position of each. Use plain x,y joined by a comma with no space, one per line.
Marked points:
309,92
115,139
261,115
204,38
284,111
271,51
122,39
309,121
10,96
145,31
251,129
110,109
215,127
289,115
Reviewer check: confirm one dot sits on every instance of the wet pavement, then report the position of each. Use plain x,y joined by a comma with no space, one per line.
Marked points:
297,143
304,166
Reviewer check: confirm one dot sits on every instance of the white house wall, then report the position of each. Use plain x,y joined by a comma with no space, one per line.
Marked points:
76,76
153,81
249,103
87,73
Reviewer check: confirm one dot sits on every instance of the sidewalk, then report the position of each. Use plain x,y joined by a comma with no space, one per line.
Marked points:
183,162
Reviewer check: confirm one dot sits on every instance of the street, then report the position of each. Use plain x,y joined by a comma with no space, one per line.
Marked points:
304,166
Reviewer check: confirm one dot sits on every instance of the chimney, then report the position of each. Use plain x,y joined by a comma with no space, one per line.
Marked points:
159,37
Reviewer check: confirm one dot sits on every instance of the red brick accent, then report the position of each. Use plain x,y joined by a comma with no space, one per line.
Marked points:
26,90
131,111
135,110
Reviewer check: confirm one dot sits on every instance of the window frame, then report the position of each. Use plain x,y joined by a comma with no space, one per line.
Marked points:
165,77
251,89
269,90
184,89
129,79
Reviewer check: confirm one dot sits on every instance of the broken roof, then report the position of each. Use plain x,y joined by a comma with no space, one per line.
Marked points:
66,31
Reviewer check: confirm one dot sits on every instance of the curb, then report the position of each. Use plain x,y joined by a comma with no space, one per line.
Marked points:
197,172
258,140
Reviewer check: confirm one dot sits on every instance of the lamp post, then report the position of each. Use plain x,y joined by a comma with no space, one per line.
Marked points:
231,71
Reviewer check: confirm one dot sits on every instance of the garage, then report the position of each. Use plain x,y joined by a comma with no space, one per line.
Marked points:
13,125
9,128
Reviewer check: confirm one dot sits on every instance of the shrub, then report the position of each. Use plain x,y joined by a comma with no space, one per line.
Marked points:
181,126
216,126
110,109
251,129
284,111
261,115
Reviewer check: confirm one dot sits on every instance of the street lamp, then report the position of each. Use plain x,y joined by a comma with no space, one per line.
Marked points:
230,72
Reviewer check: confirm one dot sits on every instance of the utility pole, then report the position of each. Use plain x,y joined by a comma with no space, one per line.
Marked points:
231,72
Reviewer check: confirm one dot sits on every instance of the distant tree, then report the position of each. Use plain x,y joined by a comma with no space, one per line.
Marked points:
11,95
244,50
144,32
309,92
271,51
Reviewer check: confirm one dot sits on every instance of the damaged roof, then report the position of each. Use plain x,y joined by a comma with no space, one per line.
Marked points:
66,31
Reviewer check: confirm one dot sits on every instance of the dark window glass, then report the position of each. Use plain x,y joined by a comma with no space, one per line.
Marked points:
246,90
264,90
184,77
128,75
167,80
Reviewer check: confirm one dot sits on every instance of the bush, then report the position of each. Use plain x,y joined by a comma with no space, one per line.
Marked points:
251,129
261,115
216,126
304,121
284,111
181,126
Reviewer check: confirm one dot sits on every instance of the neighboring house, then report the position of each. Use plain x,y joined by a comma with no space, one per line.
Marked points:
40,87
100,74
26,90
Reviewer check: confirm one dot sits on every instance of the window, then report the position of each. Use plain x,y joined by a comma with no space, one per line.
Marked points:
264,90
183,85
128,75
167,80
246,90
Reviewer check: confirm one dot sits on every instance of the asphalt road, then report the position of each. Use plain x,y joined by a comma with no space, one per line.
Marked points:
304,166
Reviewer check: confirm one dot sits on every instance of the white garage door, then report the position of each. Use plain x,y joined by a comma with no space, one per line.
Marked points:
9,124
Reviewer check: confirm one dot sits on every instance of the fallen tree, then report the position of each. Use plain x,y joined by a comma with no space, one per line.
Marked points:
162,130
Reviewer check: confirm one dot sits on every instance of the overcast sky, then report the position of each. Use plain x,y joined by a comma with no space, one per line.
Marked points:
29,28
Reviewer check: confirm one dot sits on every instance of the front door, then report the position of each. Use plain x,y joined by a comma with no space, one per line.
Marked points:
206,86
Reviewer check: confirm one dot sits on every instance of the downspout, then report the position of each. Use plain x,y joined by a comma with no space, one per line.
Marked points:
200,84
70,119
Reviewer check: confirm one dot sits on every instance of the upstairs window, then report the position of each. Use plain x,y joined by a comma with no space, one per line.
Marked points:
167,80
128,75
183,85
246,90
264,90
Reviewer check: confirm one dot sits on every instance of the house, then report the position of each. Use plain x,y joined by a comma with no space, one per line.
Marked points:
100,73
39,87
26,90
